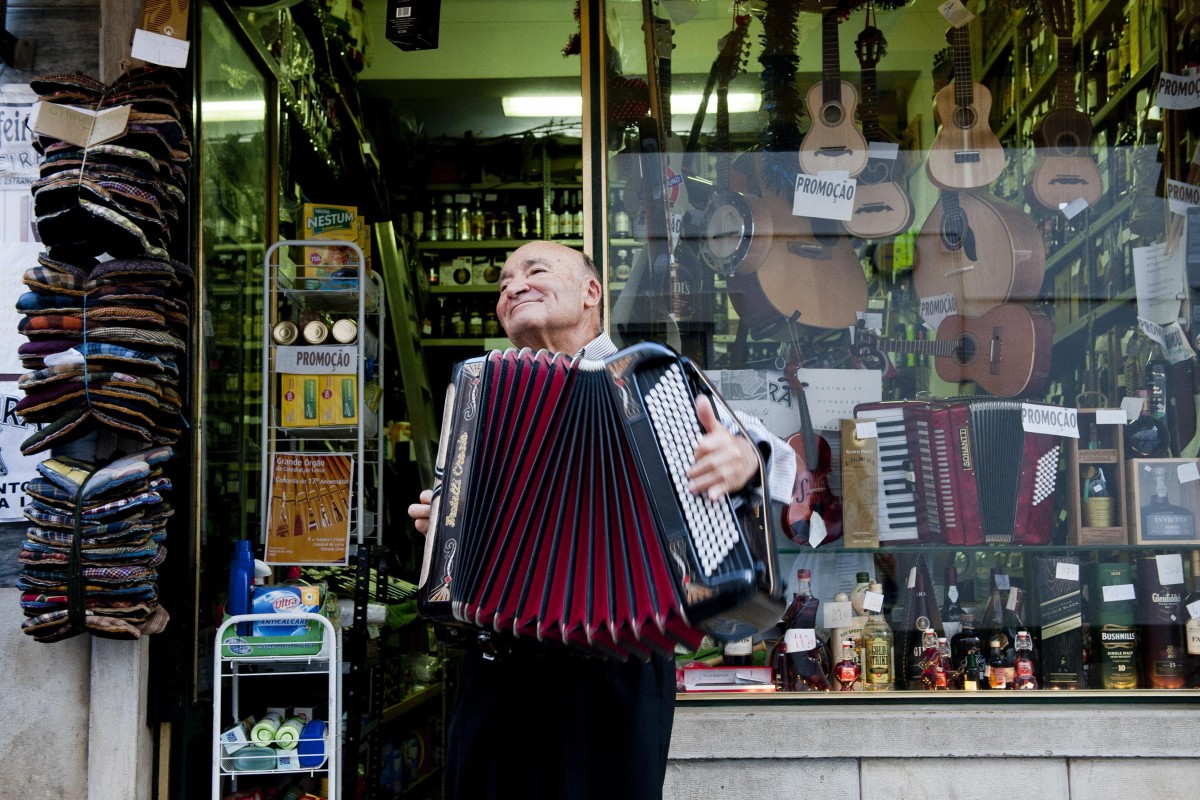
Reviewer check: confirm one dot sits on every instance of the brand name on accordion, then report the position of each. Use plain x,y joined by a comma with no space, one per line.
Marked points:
460,459
323,358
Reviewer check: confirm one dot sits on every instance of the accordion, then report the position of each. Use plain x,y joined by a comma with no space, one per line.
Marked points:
561,511
961,472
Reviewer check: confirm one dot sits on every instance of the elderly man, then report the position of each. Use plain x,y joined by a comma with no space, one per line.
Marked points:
536,723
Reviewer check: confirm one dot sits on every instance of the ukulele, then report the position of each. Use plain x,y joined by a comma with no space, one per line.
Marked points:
1064,170
832,141
965,154
979,249
737,226
881,206
811,495
1006,351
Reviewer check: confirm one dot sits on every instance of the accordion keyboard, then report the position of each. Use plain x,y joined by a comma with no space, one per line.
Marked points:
714,531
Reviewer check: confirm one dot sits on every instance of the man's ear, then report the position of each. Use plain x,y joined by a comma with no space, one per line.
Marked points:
592,293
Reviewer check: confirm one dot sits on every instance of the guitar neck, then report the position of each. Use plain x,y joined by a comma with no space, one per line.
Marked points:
960,44
724,155
1065,90
831,65
867,108
904,346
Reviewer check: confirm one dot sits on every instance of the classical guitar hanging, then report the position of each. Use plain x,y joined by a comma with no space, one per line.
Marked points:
832,142
1006,352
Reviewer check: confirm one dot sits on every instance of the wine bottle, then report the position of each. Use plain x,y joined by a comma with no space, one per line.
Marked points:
804,652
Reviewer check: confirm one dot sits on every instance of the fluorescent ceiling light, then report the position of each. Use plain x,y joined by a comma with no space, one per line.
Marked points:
569,106
232,110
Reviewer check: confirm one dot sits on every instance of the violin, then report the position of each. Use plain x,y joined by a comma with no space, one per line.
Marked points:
814,507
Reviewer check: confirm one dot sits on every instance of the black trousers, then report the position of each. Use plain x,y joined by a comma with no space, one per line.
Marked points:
559,726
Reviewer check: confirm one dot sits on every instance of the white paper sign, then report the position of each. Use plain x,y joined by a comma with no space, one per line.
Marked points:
955,13
1194,609
1002,582
839,614
824,196
873,601
816,529
317,360
832,394
1188,472
1065,571
1054,420
79,126
159,49
1112,416
1154,332
1182,196
1176,343
885,151
1014,597
1119,592
1074,208
1132,407
799,640
1170,568
1177,91
912,578
866,429
935,309
1159,282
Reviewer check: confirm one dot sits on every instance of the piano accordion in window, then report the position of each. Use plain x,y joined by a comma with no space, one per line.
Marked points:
561,511
961,472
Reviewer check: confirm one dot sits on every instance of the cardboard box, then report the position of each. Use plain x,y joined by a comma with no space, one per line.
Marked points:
727,679
1097,521
1059,615
306,638
1183,494
282,601
298,405
337,400
413,24
860,487
324,221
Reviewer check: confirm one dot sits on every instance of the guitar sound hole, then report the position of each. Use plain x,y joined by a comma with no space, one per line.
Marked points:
1067,144
831,114
965,349
964,117
954,228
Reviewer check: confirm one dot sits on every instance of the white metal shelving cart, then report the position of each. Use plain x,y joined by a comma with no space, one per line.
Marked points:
316,676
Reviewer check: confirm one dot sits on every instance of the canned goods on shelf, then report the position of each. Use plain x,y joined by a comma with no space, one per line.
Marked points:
316,332
285,332
345,331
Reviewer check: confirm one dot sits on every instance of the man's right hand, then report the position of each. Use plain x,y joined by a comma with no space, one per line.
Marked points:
419,511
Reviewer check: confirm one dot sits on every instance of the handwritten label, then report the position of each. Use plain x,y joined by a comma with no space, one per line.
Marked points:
1177,91
1181,196
1176,343
159,49
1194,609
873,601
824,196
937,308
1054,420
1119,592
1111,416
1066,571
1074,208
1158,279
955,13
1170,568
1187,472
866,430
79,126
885,151
799,640
839,615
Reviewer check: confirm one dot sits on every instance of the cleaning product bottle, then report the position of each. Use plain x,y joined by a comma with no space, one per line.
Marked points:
241,579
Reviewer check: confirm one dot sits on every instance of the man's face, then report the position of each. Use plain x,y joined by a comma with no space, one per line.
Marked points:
545,293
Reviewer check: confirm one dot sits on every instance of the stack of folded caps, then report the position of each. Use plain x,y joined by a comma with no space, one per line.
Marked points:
107,312
106,524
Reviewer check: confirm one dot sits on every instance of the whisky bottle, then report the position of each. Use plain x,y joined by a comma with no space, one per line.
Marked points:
1163,521
1116,637
996,672
965,649
1024,675
877,647
1160,632
1189,611
951,611
737,653
942,671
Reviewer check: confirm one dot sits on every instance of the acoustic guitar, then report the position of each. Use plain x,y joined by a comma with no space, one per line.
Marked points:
832,142
965,153
737,226
1064,170
979,249
881,206
1006,351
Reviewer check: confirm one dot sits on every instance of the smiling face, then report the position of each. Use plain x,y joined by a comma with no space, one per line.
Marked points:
549,298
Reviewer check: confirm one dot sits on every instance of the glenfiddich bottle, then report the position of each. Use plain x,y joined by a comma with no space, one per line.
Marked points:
1161,634
1189,612
877,647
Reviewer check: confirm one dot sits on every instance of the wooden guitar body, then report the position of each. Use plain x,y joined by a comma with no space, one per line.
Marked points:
1064,170
738,229
981,250
833,142
880,209
965,153
1006,350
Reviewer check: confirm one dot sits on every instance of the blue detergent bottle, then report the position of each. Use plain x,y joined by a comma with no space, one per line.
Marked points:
241,579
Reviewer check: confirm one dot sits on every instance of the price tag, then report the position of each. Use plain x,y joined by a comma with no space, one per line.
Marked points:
1119,592
1067,571
1170,568
885,151
1193,609
866,430
1133,407
1014,597
799,640
1188,472
816,529
159,49
1074,208
955,13
1112,416
912,578
1002,582
824,196
872,601
839,614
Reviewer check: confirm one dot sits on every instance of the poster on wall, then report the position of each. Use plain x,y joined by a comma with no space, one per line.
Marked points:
308,510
